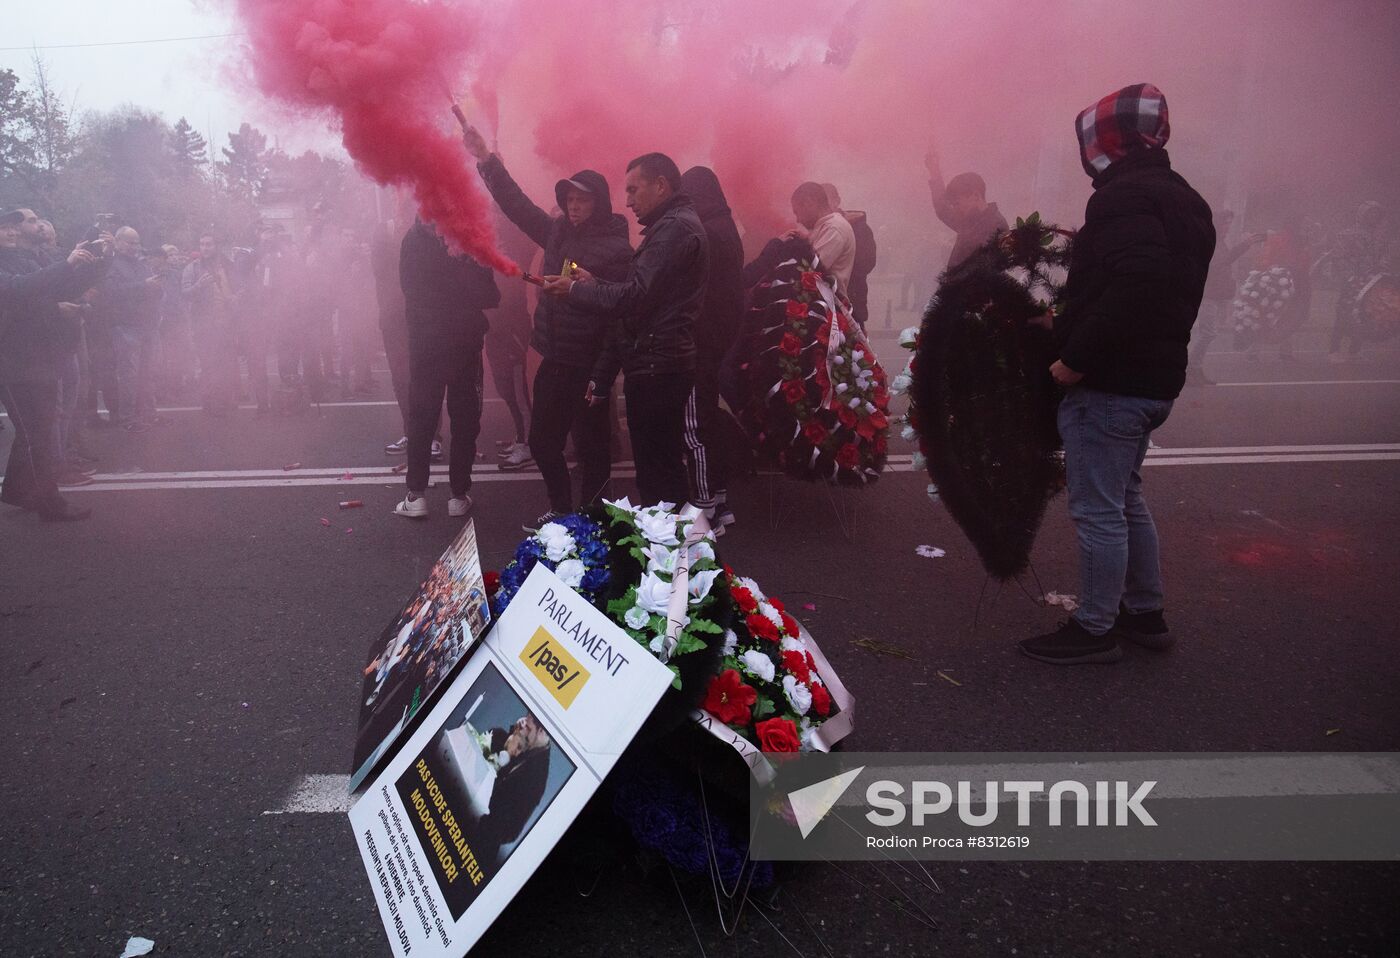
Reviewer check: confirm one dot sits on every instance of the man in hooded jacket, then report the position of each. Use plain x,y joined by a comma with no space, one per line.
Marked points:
568,337
716,329
653,313
1136,279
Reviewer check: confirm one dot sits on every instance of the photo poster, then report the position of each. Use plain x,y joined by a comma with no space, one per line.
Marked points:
419,650
460,818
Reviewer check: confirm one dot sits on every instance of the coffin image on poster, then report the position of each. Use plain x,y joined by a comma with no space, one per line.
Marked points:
419,650
492,771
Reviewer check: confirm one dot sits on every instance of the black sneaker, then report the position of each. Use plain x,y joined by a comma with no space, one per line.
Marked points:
1147,629
549,516
1070,644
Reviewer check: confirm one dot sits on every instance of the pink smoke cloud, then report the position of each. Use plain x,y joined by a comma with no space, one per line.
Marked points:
379,71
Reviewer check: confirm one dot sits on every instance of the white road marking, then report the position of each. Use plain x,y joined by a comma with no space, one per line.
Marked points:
1320,382
382,475
316,793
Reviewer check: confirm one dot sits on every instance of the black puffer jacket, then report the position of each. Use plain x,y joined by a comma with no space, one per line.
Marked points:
1136,279
654,310
445,296
718,325
563,332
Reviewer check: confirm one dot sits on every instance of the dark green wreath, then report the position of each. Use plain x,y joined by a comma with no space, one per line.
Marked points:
982,399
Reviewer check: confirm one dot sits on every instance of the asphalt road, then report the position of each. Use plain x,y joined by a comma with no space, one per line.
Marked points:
177,664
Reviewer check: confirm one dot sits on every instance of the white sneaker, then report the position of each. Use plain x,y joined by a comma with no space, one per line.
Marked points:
518,458
412,507
396,448
457,508
437,451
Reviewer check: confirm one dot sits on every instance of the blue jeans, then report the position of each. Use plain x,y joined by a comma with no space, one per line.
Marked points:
1105,437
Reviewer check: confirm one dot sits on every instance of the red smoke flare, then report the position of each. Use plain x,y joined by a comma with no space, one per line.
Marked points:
378,69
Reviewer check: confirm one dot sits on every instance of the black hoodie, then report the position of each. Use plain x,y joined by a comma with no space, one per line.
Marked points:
564,333
718,325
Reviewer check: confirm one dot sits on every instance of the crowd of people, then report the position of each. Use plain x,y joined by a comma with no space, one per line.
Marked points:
120,325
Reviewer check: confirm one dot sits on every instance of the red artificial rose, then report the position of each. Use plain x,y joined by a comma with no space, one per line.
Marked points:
744,599
797,309
794,391
729,699
866,429
778,735
777,604
809,280
821,700
815,432
820,377
493,582
761,627
848,456
790,624
790,344
822,333
882,396
796,663
879,420
881,445
847,416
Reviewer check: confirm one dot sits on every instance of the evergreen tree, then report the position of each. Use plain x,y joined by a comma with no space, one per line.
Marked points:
188,150
244,166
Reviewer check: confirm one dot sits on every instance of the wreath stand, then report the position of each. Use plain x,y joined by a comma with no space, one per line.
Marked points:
842,500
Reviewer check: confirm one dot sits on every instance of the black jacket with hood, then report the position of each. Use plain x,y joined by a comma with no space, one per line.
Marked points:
720,318
564,333
653,311
445,296
1137,272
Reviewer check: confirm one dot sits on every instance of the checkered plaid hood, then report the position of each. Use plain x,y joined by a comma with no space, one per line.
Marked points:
1131,120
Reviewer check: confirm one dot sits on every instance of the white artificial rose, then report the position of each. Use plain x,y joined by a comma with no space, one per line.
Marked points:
758,665
908,335
789,644
908,433
731,642
557,542
658,527
570,572
653,593
841,387
805,731
624,503
798,695
657,643
702,549
854,403
636,617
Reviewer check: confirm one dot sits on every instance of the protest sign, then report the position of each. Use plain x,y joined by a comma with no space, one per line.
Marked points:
419,649
516,745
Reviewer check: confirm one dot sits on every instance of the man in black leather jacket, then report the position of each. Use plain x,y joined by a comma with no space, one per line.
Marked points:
653,314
